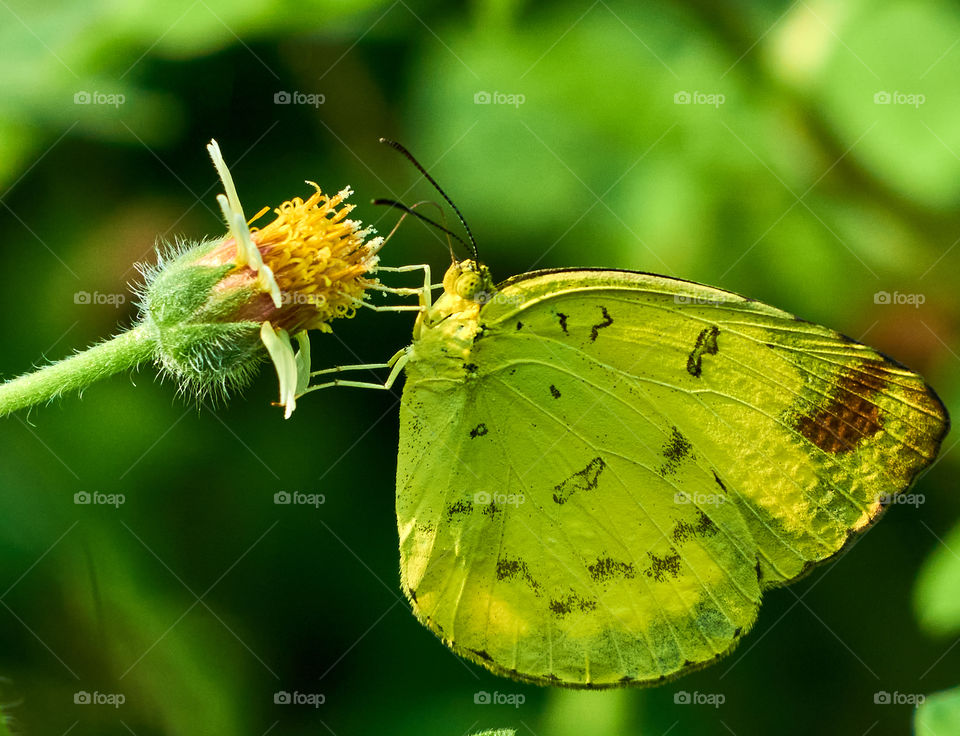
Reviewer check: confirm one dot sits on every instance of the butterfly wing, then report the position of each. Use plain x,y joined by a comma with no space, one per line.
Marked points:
623,462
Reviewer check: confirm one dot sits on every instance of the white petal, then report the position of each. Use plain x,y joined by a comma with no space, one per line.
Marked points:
221,166
269,284
303,361
281,353
247,253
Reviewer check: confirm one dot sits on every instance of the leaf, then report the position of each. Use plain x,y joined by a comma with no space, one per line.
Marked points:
5,724
935,595
939,714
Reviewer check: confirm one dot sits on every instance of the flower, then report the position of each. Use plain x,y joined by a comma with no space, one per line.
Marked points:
216,305
311,262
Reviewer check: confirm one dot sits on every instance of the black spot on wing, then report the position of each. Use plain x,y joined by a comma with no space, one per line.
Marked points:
682,531
471,367
554,391
482,654
719,482
705,525
519,325
606,568
607,321
676,448
458,508
516,569
479,431
582,480
563,322
706,344
662,567
570,603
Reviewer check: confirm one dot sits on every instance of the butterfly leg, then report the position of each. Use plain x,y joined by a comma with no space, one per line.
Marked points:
425,292
390,308
400,358
396,363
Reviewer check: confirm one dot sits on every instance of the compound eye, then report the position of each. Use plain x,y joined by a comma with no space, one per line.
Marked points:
468,284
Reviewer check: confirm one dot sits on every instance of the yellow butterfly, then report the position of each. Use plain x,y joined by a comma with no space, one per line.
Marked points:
600,472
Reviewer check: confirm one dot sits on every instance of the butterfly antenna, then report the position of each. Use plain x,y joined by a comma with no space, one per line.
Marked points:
412,211
409,156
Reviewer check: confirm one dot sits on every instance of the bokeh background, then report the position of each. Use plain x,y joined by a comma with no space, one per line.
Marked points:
806,154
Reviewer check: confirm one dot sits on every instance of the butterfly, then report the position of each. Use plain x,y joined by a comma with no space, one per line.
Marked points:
601,472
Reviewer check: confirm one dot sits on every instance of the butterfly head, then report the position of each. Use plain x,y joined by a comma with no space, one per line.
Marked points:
468,280
467,286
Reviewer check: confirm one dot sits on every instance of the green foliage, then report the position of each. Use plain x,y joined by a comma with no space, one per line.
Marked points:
939,714
937,591
937,604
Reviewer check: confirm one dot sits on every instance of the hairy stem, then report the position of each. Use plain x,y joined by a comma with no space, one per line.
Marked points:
126,350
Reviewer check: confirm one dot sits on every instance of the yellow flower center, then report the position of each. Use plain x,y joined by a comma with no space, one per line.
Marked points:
318,257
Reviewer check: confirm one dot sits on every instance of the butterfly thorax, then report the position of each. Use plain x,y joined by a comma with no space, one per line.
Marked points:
444,334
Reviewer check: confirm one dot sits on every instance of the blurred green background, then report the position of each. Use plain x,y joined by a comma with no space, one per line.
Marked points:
805,154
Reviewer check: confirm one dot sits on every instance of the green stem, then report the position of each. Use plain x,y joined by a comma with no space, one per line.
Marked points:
126,350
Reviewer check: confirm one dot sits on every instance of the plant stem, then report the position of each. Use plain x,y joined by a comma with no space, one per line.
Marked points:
126,350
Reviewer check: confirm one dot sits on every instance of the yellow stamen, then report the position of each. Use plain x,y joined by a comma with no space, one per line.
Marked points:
317,256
